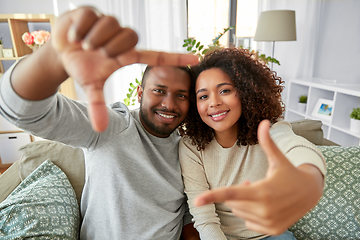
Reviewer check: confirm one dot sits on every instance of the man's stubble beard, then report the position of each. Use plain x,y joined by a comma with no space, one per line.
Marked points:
163,130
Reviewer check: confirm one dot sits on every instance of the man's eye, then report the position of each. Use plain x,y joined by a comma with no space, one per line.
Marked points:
158,91
182,96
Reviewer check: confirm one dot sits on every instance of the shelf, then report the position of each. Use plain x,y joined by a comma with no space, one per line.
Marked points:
343,98
15,26
18,24
7,59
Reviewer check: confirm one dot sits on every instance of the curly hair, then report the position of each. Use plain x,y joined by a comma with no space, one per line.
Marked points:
258,88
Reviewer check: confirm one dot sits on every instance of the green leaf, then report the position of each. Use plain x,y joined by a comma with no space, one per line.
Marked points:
137,81
189,49
193,51
185,44
201,47
132,85
198,44
193,42
128,95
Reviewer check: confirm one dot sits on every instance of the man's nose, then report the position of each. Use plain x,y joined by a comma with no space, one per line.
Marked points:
169,102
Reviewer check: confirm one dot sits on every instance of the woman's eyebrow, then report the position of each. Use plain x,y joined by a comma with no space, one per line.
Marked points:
201,90
217,86
222,84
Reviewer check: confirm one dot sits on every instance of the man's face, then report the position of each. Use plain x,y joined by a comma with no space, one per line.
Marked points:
164,101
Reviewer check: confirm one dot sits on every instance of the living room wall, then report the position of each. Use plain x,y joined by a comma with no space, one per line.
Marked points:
337,48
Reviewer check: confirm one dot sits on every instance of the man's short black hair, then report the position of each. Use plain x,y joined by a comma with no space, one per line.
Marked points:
148,68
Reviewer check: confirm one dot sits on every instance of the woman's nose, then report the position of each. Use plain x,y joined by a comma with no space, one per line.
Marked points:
215,101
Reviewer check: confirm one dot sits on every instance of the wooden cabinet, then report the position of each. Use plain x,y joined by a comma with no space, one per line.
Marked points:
18,24
343,98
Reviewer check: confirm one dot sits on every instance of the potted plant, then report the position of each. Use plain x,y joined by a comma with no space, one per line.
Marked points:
302,103
355,120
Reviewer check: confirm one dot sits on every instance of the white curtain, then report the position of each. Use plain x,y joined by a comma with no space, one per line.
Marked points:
297,58
161,26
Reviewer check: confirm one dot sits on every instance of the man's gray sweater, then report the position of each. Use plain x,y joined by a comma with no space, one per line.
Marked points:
133,187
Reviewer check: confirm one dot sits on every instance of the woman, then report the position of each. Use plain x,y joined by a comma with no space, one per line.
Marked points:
234,92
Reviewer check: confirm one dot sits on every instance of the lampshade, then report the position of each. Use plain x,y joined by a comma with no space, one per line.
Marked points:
277,25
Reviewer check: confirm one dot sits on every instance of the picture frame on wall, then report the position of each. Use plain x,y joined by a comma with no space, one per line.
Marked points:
323,109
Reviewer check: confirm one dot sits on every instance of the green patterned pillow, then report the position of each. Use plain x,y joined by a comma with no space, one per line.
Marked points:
337,215
43,206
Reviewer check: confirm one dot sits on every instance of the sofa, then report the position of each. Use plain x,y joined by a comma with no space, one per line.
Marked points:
43,189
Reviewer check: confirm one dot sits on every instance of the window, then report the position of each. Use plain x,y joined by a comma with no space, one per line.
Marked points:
208,18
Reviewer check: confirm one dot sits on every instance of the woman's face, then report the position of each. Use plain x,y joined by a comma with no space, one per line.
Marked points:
217,101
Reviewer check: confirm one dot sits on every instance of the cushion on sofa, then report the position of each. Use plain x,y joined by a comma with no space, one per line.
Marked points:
337,215
70,160
43,206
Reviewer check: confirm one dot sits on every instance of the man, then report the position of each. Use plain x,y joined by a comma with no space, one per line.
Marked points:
133,187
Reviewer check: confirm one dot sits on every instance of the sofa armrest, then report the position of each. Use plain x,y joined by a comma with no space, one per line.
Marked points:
9,180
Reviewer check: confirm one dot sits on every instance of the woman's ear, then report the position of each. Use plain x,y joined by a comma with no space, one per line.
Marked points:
139,92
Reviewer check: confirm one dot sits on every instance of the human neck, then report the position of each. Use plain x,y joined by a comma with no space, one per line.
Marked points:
226,139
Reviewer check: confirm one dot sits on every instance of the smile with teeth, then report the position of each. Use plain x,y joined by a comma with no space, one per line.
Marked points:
166,116
218,115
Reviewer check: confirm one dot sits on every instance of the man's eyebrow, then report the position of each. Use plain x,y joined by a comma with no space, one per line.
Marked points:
184,91
162,86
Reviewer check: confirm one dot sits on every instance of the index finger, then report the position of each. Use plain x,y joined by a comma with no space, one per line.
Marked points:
154,58
225,194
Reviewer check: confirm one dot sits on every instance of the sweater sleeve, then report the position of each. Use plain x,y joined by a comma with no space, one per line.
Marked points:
55,118
206,220
296,148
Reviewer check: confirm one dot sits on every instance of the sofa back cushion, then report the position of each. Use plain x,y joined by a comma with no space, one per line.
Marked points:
337,214
309,129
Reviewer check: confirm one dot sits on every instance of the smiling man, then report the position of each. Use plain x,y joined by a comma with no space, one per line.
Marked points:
133,186
166,94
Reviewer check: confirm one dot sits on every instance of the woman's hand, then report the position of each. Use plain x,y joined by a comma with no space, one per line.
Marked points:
275,203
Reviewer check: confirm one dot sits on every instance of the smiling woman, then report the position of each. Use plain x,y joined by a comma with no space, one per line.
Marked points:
218,104
226,141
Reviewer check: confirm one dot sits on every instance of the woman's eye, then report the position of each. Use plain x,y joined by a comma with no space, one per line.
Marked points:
225,91
203,97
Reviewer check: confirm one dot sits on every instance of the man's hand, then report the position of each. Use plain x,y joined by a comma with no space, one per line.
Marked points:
275,203
92,46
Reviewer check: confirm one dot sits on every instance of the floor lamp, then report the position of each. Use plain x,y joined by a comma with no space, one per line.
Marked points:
276,25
